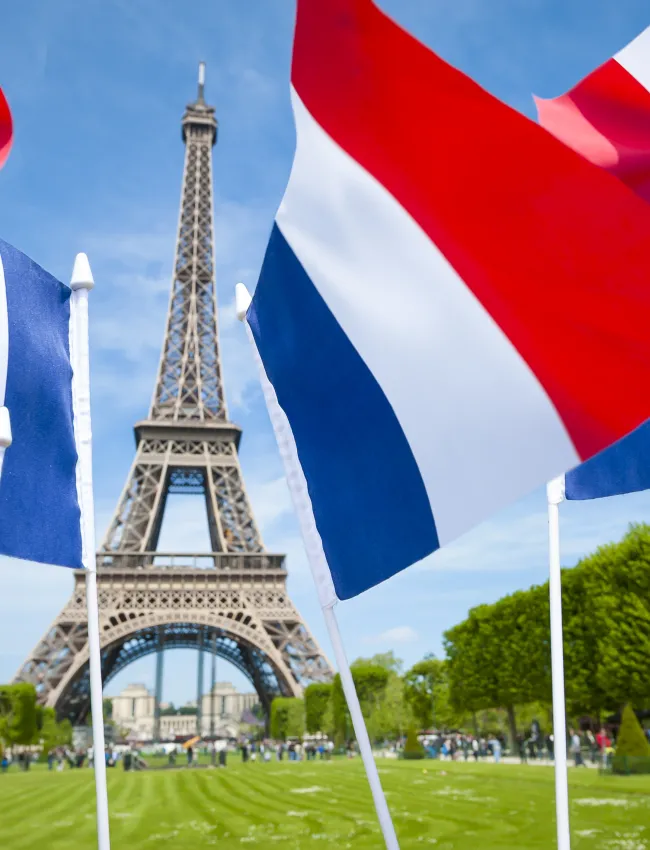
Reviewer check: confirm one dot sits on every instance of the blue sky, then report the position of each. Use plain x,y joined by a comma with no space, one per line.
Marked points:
97,88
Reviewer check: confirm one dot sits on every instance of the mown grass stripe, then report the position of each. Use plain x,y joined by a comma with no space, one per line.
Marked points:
459,806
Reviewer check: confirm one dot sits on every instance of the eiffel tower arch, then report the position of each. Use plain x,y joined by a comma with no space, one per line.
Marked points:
233,600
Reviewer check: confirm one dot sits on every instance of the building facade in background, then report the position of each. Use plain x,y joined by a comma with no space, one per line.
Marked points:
133,712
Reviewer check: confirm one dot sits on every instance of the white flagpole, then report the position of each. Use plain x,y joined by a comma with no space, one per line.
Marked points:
360,730
5,434
555,495
321,574
81,283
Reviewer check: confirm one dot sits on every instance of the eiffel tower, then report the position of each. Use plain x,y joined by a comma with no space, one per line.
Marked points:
233,601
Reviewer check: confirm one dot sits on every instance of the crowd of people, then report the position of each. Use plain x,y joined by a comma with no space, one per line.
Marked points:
455,746
459,746
59,758
294,750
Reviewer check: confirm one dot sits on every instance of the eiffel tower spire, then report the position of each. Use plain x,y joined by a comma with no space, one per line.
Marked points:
189,384
233,598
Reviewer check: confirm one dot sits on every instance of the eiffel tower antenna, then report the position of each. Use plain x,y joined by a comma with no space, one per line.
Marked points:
201,95
234,598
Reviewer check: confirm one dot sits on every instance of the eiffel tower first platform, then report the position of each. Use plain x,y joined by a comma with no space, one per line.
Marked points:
233,601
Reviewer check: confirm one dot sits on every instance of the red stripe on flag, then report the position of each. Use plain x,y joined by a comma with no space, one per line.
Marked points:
555,249
6,129
606,118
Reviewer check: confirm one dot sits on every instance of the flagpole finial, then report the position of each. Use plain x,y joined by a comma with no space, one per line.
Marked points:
242,301
5,428
82,277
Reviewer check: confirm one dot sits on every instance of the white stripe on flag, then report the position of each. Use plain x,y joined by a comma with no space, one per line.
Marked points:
635,58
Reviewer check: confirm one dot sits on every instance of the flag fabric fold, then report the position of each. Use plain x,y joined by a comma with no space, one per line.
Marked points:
453,306
39,507
6,129
606,116
606,119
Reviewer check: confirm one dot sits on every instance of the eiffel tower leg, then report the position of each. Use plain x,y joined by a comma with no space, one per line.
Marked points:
199,684
213,683
159,683
136,522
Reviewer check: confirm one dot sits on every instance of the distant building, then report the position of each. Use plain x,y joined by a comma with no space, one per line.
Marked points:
229,706
133,711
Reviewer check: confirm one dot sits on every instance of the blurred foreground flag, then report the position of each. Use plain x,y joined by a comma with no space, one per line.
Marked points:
6,129
39,509
606,118
453,307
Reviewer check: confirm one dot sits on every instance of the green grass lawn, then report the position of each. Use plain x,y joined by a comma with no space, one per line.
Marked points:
313,804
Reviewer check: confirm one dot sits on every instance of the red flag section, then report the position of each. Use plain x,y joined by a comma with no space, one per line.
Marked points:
6,129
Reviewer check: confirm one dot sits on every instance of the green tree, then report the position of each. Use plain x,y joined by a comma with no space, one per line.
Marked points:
500,655
52,733
423,685
341,724
580,627
287,718
328,725
317,697
413,749
617,589
388,660
631,739
64,736
18,715
391,715
370,681
473,683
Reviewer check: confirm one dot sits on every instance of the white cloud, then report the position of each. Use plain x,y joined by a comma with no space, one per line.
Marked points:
398,634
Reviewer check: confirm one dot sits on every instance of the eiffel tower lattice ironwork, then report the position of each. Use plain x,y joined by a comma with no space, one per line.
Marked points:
233,599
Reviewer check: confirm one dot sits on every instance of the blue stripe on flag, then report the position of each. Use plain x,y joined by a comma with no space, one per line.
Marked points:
39,511
624,467
369,501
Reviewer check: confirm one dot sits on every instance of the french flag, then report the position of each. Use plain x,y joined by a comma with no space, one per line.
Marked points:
6,129
40,519
453,307
606,119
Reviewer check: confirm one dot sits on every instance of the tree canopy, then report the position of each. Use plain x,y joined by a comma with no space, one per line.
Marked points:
424,684
287,718
18,714
499,656
631,737
317,697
